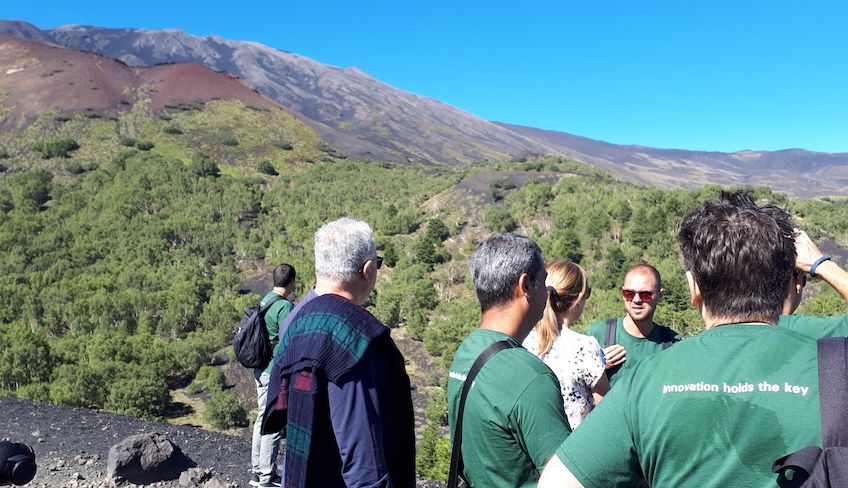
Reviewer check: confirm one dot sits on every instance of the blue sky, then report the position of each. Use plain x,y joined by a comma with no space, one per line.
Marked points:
711,75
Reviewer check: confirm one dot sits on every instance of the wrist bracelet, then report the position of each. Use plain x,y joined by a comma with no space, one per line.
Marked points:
816,264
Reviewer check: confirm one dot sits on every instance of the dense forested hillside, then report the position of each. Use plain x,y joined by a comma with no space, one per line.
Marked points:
127,238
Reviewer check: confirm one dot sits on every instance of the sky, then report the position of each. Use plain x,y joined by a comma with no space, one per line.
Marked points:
718,75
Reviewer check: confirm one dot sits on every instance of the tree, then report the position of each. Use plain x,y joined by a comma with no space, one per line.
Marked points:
499,219
24,357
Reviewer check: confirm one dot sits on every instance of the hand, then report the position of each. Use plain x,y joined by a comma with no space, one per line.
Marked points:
615,355
807,251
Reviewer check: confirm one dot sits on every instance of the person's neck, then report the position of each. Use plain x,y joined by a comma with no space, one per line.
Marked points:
712,322
280,290
641,328
506,320
344,290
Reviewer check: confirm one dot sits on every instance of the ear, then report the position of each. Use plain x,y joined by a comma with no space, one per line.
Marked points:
660,295
797,282
523,286
694,292
368,269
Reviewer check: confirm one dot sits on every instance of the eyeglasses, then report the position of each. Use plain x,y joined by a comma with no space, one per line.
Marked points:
629,295
377,260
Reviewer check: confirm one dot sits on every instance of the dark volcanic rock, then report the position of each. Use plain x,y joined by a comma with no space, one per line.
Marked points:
146,458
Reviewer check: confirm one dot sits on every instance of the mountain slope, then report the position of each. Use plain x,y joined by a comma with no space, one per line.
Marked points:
796,171
364,117
351,110
39,77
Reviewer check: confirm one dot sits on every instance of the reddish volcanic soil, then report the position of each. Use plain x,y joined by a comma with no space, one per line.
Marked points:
36,77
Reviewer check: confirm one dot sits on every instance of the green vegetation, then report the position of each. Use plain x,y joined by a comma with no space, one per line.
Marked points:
223,411
122,260
55,147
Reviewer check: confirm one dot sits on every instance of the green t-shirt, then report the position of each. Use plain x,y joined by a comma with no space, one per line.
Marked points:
514,419
715,410
273,318
816,327
637,348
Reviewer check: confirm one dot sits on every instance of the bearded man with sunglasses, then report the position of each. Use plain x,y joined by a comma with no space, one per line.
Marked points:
339,387
628,339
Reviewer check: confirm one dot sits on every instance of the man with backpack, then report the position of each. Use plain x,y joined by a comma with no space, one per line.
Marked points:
265,448
628,339
718,408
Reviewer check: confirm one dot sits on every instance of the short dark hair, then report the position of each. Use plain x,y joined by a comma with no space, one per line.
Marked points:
741,255
498,263
284,275
646,267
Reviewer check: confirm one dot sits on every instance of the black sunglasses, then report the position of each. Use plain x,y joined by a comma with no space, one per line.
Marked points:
377,260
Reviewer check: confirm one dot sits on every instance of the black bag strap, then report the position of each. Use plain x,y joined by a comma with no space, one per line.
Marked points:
666,336
833,390
457,465
609,332
272,301
833,400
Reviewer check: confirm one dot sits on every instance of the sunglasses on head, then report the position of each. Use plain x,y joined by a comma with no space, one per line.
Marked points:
629,295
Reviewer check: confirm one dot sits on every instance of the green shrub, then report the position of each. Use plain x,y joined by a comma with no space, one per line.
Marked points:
4,153
266,167
55,147
74,167
285,146
127,141
230,141
215,380
202,165
194,388
36,392
224,412
172,129
433,455
140,395
80,385
145,145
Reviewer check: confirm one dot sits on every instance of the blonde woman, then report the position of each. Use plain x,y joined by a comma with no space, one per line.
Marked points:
576,359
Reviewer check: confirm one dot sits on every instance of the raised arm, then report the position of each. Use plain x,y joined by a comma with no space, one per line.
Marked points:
827,270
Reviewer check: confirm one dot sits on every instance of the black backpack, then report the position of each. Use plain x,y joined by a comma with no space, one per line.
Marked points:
250,342
813,466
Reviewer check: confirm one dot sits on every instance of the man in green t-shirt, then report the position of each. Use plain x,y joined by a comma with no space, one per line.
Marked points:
718,408
265,448
514,418
635,336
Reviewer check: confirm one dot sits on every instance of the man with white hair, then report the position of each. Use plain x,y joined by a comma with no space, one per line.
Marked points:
339,387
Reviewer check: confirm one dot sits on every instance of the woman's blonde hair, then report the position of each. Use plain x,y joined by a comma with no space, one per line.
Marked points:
568,281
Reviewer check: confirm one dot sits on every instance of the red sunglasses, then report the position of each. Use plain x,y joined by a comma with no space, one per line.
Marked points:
629,295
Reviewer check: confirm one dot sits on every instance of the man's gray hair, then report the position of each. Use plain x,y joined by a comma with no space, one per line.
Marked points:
341,248
498,263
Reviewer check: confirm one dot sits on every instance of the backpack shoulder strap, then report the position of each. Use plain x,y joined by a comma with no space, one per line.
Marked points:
609,332
457,465
666,336
833,390
274,299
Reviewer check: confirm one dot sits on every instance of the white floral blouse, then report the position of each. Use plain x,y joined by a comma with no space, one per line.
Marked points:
578,362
